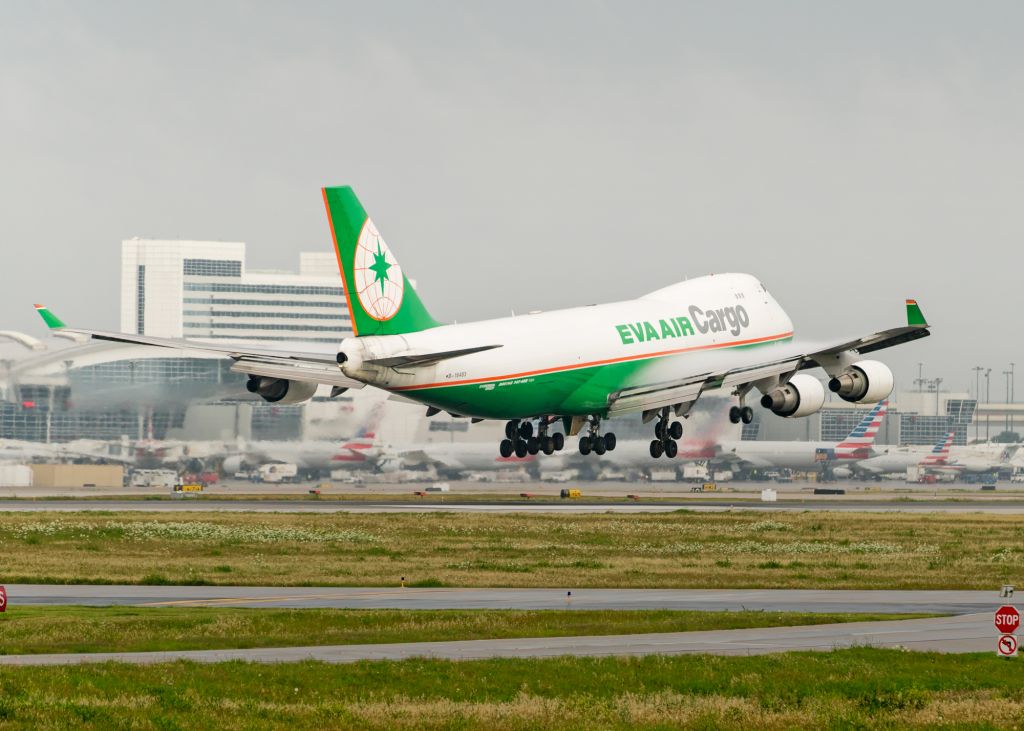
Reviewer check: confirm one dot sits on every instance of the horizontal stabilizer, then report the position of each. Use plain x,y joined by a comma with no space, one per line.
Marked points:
422,359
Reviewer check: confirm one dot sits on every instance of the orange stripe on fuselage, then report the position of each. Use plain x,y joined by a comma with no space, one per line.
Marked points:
341,267
607,361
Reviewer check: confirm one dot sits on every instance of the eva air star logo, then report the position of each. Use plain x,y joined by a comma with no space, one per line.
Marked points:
378,277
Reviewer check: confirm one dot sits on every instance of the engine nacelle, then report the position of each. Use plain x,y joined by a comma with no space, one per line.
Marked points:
865,382
802,396
280,390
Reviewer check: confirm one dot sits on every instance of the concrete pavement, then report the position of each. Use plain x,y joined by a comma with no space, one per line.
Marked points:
965,633
772,600
1004,507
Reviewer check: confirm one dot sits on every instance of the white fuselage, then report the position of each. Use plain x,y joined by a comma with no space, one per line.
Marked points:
458,457
569,361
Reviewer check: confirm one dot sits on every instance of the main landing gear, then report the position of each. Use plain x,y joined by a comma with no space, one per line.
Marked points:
596,443
666,434
521,441
741,413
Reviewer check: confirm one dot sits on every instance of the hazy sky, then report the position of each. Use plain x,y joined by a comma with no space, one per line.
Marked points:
523,156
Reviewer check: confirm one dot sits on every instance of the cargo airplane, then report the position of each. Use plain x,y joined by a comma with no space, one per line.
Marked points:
655,355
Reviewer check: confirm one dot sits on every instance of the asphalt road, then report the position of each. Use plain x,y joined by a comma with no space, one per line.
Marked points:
1005,507
778,600
965,633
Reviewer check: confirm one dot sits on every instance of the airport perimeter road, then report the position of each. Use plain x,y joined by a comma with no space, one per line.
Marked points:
778,600
1004,507
967,633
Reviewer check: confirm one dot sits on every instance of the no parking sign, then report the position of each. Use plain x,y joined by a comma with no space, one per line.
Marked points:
3,599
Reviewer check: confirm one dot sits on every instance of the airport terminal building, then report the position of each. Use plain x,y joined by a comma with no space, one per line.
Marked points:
202,290
63,388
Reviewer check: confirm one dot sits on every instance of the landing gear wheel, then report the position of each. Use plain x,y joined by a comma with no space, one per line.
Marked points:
547,445
676,430
511,429
657,448
521,449
610,441
584,445
506,448
526,430
671,448
559,438
746,414
735,414
600,447
659,430
533,445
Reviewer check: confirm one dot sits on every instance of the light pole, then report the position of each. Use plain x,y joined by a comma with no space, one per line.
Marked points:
1013,394
1006,423
920,377
977,400
988,398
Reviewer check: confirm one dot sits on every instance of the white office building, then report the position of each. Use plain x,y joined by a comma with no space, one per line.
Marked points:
202,290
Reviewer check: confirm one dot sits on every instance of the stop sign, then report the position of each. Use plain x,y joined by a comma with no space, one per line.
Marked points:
1007,619
3,599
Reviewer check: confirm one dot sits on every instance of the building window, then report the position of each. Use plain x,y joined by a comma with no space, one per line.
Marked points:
285,315
262,303
213,268
140,300
262,288
260,326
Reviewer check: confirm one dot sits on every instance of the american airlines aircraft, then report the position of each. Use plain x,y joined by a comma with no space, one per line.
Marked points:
859,445
978,458
655,356
360,452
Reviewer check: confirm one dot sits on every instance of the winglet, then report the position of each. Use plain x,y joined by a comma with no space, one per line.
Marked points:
915,318
52,321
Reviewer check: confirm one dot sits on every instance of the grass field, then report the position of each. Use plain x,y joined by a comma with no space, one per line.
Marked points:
856,688
700,550
33,630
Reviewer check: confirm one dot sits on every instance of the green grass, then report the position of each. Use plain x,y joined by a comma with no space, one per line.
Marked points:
36,629
855,688
678,550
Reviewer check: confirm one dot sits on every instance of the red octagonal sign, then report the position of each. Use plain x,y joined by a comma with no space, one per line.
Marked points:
3,599
1007,619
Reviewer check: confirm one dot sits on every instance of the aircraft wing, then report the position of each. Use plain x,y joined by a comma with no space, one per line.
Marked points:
788,361
306,367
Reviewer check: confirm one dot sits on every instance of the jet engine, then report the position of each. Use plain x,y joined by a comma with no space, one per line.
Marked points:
864,382
280,390
803,395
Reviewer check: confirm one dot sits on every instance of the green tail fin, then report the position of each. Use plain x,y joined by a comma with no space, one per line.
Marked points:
380,299
52,321
915,318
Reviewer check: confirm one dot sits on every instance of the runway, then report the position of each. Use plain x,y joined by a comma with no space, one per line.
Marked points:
1003,507
966,633
773,600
